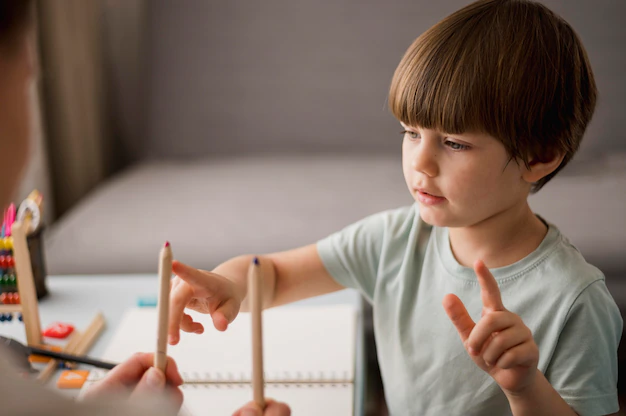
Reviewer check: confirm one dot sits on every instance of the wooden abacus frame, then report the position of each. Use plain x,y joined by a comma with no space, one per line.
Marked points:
28,306
79,343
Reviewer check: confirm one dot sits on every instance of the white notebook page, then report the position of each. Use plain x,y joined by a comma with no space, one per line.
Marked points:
302,400
301,343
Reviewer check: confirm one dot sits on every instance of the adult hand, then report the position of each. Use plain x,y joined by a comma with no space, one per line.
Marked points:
499,343
272,408
137,377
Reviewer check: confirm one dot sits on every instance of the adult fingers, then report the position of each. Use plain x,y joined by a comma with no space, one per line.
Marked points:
272,408
153,381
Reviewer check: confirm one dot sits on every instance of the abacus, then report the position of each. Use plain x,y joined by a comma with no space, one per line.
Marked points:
18,297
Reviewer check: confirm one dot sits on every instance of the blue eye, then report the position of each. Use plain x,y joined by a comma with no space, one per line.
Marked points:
411,134
456,146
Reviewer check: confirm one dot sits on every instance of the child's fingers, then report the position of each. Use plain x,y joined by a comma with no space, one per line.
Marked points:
219,321
526,354
503,341
187,324
203,282
488,324
458,315
179,297
224,315
489,291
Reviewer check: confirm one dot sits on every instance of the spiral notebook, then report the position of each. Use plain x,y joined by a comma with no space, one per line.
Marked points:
309,359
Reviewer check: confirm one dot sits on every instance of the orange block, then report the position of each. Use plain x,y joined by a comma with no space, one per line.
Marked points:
34,358
72,379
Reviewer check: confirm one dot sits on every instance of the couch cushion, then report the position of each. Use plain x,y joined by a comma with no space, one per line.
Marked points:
211,210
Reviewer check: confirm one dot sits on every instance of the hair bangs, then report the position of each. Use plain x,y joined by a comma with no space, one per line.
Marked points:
437,85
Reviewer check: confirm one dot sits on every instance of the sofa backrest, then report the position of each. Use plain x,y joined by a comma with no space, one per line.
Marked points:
229,77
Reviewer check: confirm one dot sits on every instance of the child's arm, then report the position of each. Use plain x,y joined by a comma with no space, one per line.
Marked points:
501,345
288,276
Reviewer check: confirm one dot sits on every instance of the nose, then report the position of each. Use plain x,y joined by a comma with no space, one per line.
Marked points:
424,158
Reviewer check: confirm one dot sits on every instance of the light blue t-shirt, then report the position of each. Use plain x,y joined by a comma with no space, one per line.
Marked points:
425,369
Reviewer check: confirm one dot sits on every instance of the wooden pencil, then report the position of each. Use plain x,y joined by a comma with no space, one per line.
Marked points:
255,300
163,305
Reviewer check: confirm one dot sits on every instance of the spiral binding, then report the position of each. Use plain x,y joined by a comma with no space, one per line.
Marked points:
286,379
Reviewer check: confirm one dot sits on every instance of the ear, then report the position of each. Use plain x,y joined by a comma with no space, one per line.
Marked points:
541,168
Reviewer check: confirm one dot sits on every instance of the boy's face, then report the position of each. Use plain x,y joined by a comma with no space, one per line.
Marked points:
460,180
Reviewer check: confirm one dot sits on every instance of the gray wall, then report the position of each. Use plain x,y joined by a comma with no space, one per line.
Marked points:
300,76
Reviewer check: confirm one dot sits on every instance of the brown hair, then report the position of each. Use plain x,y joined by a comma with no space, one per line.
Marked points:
15,17
512,69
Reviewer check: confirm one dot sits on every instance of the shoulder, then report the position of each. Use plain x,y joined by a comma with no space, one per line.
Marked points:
581,286
373,234
566,262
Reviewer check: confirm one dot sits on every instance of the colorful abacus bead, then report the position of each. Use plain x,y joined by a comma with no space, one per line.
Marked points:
8,243
3,298
3,262
16,298
10,262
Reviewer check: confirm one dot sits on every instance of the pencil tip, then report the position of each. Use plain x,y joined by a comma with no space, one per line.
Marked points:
167,244
256,261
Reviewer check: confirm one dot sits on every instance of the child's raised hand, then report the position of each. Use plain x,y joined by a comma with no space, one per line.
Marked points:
204,292
499,343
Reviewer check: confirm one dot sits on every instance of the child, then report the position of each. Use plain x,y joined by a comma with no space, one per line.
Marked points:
493,102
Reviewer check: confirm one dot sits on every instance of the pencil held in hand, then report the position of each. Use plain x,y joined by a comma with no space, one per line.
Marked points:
163,305
255,281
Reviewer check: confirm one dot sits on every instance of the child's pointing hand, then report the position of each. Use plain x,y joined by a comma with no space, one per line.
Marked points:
202,291
499,343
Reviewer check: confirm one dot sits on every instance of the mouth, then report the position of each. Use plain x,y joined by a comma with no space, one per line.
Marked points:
428,198
425,192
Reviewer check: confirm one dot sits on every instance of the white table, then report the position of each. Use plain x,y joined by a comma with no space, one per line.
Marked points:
77,299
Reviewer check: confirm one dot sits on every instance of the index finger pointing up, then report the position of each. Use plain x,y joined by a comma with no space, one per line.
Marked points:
489,291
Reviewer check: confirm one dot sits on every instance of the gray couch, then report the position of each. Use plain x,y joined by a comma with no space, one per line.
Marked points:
267,128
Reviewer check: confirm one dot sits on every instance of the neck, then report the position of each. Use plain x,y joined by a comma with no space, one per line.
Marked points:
500,240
